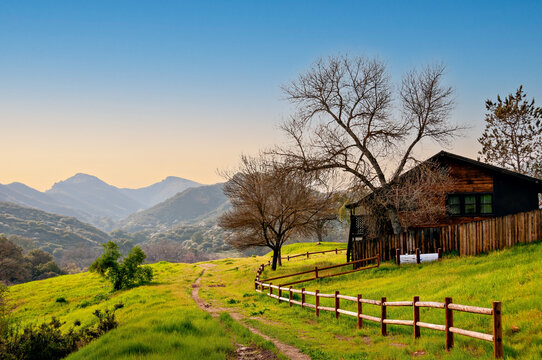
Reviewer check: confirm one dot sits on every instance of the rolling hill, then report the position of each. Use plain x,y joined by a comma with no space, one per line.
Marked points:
162,321
194,205
56,234
91,200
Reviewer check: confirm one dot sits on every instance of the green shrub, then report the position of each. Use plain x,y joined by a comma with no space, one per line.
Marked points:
61,300
124,274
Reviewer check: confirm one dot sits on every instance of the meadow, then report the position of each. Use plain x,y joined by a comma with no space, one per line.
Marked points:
161,321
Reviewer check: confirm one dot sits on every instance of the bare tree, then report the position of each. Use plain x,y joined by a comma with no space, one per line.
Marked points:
419,195
345,121
513,134
270,203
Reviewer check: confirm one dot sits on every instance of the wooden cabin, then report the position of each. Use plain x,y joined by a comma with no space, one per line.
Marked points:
480,191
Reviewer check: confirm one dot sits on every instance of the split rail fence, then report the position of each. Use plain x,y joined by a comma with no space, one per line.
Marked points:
466,239
448,306
288,257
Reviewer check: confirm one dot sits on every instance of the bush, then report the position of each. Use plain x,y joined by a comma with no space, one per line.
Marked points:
61,300
125,274
47,342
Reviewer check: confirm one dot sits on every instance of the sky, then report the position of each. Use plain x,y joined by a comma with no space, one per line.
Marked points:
135,91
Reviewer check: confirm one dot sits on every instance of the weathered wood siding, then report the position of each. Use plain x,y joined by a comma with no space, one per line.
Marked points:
466,239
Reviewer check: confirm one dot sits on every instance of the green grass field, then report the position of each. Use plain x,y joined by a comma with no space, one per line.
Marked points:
161,320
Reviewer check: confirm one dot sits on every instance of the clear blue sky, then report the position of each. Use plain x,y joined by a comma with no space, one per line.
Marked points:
133,91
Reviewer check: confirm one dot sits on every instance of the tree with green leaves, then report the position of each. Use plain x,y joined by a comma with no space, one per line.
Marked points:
123,274
513,134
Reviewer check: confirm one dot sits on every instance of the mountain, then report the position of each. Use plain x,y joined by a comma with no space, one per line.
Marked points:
89,194
56,234
156,193
200,204
91,200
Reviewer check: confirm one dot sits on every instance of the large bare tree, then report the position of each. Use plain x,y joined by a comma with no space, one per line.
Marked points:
345,120
270,203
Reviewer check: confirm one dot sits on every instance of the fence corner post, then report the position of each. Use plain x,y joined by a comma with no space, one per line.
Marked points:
360,311
383,316
418,252
302,297
497,330
416,317
448,324
317,302
398,257
337,304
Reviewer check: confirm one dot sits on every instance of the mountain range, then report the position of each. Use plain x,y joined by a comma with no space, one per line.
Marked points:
92,200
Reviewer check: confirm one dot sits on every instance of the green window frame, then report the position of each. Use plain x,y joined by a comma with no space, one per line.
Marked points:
469,204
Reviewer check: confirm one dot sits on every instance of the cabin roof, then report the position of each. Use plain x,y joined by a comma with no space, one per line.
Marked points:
444,155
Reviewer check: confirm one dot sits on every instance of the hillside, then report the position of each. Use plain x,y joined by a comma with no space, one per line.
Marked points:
61,236
161,321
91,200
160,191
194,205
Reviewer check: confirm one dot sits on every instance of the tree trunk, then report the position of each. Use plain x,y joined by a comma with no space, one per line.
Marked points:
275,258
394,218
280,256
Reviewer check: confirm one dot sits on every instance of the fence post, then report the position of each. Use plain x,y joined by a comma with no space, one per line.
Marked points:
416,317
317,302
377,260
337,304
497,330
255,284
439,252
398,257
360,309
383,316
270,289
302,296
288,257
417,256
448,324
290,297
336,251
307,254
280,293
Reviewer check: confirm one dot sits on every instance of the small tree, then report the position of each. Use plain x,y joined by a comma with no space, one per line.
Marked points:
126,273
513,134
270,203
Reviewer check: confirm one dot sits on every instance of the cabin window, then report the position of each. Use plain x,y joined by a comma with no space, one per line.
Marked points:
453,204
470,205
486,204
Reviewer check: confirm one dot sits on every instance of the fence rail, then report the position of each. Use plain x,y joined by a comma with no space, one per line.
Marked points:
288,257
466,239
448,306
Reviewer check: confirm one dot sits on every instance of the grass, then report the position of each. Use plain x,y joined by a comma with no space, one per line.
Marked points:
513,276
158,321
161,320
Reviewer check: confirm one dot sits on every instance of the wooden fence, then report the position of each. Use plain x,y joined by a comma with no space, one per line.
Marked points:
317,271
448,306
466,239
288,257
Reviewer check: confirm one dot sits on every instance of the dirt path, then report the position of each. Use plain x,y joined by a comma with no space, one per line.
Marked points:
290,351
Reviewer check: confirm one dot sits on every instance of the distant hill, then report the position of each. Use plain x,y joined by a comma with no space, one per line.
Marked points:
53,233
91,195
200,204
156,193
91,200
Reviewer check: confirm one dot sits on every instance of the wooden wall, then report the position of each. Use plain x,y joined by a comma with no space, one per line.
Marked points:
466,239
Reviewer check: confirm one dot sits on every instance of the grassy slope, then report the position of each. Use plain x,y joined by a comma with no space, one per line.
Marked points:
158,321
513,276
161,321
